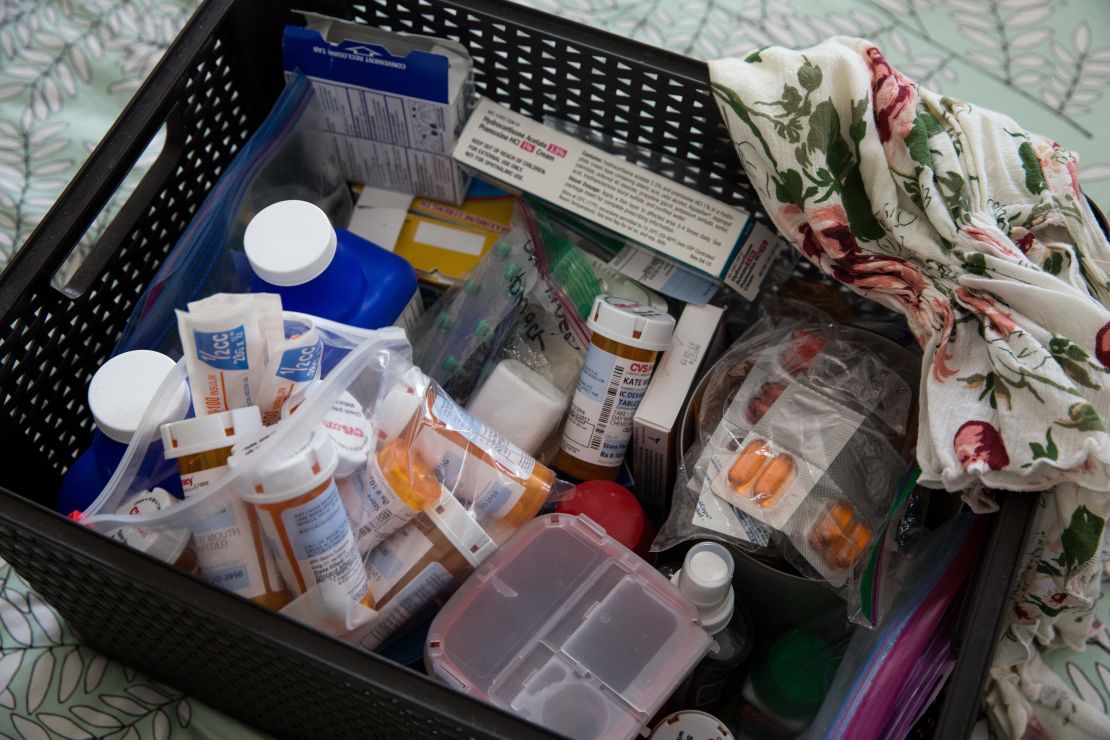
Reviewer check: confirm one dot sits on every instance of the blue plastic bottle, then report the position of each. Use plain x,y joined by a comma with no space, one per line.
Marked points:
327,272
119,394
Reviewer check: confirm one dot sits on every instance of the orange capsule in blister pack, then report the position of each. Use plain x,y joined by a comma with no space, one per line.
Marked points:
838,537
773,480
747,464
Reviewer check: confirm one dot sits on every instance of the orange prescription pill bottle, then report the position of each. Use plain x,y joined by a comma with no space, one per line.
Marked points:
229,545
303,518
482,469
626,342
173,546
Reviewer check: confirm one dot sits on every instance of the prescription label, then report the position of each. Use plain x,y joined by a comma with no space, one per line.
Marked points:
411,600
468,478
514,460
387,512
319,536
229,553
599,421
391,560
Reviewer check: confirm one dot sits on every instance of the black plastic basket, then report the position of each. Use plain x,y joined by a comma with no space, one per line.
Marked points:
214,86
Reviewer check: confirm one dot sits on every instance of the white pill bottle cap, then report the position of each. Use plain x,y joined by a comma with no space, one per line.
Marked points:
631,323
289,242
210,432
123,387
401,403
305,469
706,579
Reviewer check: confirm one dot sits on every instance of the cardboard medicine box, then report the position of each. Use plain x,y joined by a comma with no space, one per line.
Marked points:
391,104
697,338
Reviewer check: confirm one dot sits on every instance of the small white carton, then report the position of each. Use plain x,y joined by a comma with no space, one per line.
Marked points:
392,104
655,424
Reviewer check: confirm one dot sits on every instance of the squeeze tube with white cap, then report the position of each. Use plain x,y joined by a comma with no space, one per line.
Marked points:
225,340
626,342
119,393
298,504
229,545
327,272
482,469
706,579
173,546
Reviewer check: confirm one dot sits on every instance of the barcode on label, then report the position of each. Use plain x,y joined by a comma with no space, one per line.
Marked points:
607,407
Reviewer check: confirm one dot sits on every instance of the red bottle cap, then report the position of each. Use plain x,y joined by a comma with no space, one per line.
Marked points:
617,511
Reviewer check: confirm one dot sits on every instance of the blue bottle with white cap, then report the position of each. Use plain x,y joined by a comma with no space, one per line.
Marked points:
316,269
119,393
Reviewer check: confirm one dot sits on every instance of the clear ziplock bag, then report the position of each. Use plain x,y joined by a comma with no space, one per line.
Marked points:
801,442
280,161
373,496
889,676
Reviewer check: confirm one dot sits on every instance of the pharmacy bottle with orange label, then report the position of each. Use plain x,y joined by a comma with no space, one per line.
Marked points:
302,515
229,545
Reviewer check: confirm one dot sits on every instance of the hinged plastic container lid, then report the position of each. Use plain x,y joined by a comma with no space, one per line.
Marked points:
568,628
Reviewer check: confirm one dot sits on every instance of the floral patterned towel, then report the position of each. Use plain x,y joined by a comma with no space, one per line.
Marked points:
977,231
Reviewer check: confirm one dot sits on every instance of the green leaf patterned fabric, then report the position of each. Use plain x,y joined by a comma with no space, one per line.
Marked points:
52,686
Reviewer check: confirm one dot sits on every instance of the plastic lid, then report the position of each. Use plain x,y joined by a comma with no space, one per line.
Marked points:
164,544
211,432
631,323
308,467
350,432
613,507
706,578
401,404
289,242
691,724
123,387
560,597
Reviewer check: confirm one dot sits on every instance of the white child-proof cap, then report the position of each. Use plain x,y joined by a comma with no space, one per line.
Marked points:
211,432
401,403
306,468
631,323
289,242
123,387
706,579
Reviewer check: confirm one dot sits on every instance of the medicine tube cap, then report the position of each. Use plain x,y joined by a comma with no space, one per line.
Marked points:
706,579
211,432
123,387
306,468
289,242
631,323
